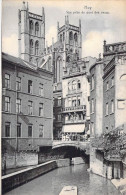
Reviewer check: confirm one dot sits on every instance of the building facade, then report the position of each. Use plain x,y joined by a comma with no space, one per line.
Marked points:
108,145
27,105
76,109
114,82
96,98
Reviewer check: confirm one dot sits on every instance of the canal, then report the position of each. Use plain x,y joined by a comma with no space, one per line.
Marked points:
52,183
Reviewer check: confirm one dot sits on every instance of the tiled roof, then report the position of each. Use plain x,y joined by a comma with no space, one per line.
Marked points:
18,61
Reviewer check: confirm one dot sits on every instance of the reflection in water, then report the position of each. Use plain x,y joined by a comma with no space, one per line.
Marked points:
53,182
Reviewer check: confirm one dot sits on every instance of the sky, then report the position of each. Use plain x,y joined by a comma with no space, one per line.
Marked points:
100,20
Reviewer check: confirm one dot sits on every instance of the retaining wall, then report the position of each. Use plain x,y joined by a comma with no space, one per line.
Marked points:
13,180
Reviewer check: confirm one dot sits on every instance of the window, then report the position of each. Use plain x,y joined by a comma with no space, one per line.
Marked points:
78,100
61,37
7,104
18,83
71,35
31,47
79,116
92,128
78,85
59,101
29,86
41,131
59,117
92,106
73,85
41,109
69,102
112,106
37,48
106,109
36,28
31,26
41,90
18,130
18,105
30,131
74,101
7,81
107,85
121,104
75,37
92,82
7,129
112,81
69,86
30,107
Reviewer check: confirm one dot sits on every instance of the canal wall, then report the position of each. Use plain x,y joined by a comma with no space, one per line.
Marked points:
105,168
63,162
13,180
19,159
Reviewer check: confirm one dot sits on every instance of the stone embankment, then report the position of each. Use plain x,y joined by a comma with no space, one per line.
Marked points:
120,184
18,178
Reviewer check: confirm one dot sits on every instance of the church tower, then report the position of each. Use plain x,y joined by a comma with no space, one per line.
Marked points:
31,34
70,36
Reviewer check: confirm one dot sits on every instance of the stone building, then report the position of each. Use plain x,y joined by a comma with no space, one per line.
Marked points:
108,145
31,34
27,110
75,89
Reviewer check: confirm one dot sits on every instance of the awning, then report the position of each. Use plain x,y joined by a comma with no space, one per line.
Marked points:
78,128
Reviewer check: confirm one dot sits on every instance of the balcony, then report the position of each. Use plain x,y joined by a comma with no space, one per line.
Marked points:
115,48
74,109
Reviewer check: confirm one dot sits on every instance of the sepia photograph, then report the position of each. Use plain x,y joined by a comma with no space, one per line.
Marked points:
63,97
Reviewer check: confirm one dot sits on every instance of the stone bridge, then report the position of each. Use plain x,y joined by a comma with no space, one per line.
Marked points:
82,145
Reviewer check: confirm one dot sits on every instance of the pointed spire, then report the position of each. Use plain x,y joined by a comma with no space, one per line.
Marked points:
23,6
57,25
67,19
27,6
43,13
52,43
80,25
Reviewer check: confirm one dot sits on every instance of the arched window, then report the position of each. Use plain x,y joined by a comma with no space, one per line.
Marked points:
31,26
73,85
75,37
31,46
36,28
49,64
71,37
61,38
78,84
37,48
68,59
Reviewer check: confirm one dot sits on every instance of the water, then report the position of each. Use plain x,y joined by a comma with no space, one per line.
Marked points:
53,182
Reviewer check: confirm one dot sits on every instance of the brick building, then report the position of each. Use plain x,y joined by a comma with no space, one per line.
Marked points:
27,105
